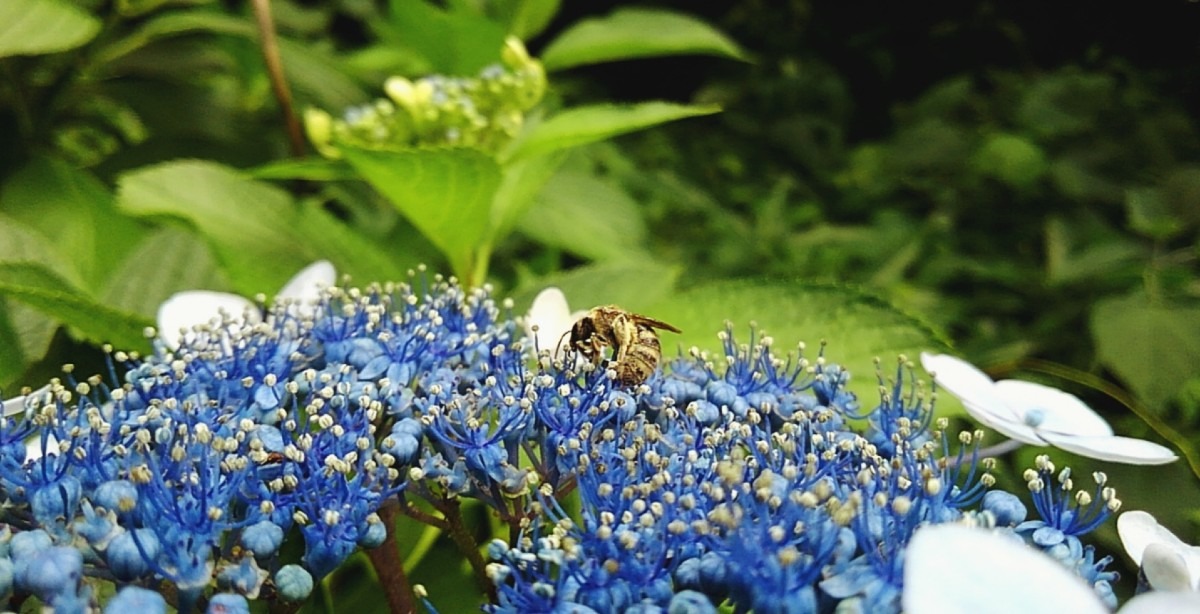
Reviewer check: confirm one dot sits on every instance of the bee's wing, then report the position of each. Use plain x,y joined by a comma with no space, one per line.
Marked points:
652,323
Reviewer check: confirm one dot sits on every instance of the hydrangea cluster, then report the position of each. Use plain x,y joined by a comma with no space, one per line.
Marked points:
484,112
738,478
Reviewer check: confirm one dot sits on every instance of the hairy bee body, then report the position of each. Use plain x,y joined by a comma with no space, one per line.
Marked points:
635,346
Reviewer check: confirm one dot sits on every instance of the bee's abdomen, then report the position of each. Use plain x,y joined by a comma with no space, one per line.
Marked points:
641,358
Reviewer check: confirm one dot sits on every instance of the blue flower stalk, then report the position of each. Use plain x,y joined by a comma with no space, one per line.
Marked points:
737,478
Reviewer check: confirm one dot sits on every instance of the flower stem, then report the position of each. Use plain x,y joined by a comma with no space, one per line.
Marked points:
389,568
467,545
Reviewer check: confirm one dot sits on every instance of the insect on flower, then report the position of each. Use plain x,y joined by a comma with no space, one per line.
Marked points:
635,345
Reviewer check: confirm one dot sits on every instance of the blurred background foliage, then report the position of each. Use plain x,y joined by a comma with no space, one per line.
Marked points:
1023,180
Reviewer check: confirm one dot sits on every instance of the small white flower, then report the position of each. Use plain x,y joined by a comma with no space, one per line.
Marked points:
952,568
552,318
1168,562
184,310
1039,415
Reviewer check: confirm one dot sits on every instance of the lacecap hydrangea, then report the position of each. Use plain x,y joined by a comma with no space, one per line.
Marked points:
749,477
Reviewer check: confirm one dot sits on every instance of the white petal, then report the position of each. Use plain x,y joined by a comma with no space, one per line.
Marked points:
1139,530
1050,409
952,568
1116,449
978,394
1165,569
306,286
553,318
1159,602
184,310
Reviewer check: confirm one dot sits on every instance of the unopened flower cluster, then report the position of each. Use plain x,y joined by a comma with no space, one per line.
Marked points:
483,112
736,478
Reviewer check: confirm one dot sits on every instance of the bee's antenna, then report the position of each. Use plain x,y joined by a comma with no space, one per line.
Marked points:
559,344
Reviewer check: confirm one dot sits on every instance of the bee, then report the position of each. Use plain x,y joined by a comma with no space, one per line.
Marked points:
635,347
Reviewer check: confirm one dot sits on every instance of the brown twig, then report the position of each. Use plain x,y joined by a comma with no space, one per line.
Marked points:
269,45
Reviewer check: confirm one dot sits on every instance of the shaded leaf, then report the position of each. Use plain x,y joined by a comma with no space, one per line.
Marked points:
858,327
38,287
588,124
74,211
520,183
167,261
170,24
313,169
637,286
259,235
1154,348
455,42
528,18
636,33
248,223
32,27
586,216
445,193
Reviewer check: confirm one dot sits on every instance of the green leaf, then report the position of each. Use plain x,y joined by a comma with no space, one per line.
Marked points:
1151,215
13,359
1012,159
41,289
74,211
33,27
588,124
259,235
25,332
249,223
858,327
528,18
454,42
636,286
171,24
586,216
312,169
636,33
521,182
1154,348
167,261
444,193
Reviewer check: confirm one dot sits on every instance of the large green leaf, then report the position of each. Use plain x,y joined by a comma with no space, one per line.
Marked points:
32,27
38,287
74,210
170,24
312,71
588,124
26,332
249,223
858,327
521,182
527,18
445,193
636,286
258,233
636,33
312,169
1153,347
456,42
167,261
588,217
